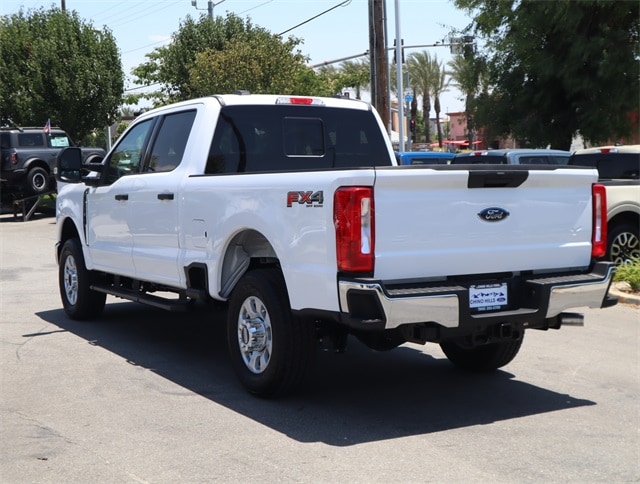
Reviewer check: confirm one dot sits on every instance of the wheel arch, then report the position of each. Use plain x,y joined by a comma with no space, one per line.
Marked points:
67,230
627,217
36,163
247,248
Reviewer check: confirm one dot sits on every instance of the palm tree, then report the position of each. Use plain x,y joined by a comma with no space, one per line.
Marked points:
356,74
420,69
440,85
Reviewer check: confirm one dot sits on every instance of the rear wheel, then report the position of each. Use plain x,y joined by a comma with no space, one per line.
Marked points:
78,299
482,358
37,181
624,244
271,350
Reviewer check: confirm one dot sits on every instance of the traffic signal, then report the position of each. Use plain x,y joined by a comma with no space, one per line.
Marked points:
401,51
412,125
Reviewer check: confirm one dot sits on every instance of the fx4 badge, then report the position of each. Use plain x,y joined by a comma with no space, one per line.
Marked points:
309,199
493,214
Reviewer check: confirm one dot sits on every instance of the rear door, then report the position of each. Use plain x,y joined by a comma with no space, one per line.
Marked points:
153,222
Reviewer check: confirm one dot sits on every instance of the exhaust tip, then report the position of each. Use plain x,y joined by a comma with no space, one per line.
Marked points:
571,319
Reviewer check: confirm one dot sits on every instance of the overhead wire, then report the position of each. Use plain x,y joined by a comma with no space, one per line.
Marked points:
342,4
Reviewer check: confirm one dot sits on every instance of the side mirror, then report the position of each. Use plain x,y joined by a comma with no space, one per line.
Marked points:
71,169
69,165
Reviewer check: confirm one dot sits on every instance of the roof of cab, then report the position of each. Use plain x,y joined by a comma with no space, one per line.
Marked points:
243,98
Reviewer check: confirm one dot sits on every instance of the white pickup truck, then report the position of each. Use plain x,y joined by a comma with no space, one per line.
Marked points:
292,210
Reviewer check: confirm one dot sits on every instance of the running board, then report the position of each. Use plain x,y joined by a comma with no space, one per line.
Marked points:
144,298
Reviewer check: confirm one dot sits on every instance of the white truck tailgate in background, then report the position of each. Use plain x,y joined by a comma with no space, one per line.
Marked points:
427,223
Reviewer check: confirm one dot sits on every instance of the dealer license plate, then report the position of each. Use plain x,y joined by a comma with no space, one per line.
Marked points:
488,297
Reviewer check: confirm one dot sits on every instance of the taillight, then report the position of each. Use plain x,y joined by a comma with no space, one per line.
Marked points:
599,235
353,217
13,158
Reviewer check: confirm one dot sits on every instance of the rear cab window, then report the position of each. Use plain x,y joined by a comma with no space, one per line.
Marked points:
254,139
611,166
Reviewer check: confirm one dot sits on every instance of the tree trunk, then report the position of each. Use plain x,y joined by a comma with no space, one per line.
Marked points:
436,106
426,109
413,115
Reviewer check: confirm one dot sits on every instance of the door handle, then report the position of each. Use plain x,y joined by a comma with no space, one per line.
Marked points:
123,196
165,196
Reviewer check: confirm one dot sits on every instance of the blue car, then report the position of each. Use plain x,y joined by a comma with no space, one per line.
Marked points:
423,157
513,157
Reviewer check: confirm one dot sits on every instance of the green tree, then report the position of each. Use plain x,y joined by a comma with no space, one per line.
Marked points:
420,68
263,65
55,66
440,84
355,74
222,55
559,68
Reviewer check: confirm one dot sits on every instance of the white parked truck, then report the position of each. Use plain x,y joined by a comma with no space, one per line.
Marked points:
292,210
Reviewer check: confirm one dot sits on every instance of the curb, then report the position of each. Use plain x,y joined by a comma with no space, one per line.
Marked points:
625,297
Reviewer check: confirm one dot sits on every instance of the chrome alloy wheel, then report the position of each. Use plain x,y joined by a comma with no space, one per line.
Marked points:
70,276
625,247
254,335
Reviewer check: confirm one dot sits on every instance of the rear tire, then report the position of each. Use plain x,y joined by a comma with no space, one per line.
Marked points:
271,351
482,358
624,244
37,181
80,302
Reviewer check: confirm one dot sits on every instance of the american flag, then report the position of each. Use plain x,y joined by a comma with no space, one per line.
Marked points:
47,126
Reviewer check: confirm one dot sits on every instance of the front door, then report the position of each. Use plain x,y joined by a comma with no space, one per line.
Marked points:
109,238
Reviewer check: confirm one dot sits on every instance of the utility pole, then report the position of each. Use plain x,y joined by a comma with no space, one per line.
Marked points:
210,5
63,6
378,59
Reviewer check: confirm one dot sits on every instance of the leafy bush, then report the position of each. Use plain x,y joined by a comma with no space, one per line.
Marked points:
629,273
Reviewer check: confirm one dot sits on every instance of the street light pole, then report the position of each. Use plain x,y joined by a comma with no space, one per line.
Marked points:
401,144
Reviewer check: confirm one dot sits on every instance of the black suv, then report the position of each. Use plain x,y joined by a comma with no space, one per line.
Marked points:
28,157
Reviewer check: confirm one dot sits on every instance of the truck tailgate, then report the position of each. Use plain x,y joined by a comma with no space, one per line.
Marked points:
438,222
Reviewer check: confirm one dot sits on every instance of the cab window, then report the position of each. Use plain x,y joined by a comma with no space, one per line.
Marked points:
126,156
59,141
170,142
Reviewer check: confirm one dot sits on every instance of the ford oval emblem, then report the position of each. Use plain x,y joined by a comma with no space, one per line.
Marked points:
493,214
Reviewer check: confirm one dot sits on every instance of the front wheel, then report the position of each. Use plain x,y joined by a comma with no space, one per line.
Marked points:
78,299
487,357
271,350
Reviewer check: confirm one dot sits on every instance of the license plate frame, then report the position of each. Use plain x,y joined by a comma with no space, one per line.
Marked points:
490,297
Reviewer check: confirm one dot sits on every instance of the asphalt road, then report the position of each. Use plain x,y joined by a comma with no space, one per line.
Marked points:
143,396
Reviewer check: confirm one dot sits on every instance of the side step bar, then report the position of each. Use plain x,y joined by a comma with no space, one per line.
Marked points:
145,298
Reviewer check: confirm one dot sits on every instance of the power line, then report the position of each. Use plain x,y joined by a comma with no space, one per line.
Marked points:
346,2
253,8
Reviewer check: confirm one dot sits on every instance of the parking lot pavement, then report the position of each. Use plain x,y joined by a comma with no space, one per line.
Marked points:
142,395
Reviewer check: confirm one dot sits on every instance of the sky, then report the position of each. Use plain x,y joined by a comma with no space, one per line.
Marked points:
139,26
